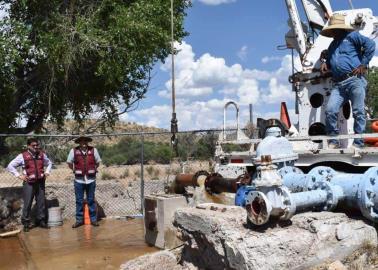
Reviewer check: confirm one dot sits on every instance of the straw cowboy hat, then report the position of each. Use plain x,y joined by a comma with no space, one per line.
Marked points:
337,21
83,138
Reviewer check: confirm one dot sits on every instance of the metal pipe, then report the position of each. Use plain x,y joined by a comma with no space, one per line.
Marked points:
184,180
309,199
359,191
215,183
224,118
142,174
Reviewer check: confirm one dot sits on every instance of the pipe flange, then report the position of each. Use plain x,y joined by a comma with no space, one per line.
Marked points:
258,208
289,169
244,179
210,180
367,194
288,202
320,174
333,194
197,175
241,194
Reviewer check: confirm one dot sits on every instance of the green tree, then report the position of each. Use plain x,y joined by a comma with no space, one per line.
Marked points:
372,93
78,57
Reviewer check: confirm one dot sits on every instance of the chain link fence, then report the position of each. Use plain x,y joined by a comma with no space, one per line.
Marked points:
133,165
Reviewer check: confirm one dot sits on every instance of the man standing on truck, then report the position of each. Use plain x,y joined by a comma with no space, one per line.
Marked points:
347,58
84,161
33,161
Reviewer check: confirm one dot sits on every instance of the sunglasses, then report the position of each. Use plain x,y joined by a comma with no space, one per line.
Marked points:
34,145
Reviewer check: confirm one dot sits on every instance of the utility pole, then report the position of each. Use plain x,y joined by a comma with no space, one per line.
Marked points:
174,126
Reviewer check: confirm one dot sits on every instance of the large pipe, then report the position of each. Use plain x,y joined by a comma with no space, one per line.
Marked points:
358,190
184,180
309,199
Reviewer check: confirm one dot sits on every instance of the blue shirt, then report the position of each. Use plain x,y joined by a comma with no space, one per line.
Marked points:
349,52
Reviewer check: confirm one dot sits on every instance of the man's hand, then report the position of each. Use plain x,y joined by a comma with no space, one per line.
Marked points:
47,174
360,70
323,68
23,177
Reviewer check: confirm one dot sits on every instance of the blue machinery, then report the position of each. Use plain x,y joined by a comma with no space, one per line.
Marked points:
280,190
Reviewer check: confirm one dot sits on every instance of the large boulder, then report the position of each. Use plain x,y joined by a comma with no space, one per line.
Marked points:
218,237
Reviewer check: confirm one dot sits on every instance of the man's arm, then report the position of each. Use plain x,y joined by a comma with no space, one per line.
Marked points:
70,159
365,45
97,157
324,62
47,162
12,167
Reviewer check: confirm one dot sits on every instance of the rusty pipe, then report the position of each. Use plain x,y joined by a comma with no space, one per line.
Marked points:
216,183
184,180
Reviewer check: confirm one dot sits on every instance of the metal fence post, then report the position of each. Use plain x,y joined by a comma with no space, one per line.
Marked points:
142,174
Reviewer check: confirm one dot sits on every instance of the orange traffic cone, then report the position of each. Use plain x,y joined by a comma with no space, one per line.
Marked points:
87,219
284,115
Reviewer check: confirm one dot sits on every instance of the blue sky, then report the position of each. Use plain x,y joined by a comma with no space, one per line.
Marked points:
230,54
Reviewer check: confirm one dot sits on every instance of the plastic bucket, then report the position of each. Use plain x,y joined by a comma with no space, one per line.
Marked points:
55,217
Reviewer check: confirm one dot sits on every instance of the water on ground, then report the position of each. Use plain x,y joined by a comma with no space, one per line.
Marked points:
104,247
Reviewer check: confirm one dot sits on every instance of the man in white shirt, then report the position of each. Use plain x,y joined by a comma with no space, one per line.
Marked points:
84,160
32,161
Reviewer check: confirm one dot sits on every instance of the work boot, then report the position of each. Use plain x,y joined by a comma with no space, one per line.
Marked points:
26,228
77,224
43,224
95,223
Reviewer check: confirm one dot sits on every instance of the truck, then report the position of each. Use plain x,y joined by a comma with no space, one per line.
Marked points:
312,90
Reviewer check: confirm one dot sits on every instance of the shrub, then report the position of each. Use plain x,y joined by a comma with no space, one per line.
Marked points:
155,174
150,170
137,173
126,173
107,175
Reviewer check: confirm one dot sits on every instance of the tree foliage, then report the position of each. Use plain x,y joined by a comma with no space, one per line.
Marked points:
372,93
79,57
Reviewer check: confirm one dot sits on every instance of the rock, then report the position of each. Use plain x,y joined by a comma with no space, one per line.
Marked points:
336,265
222,239
360,263
16,205
4,210
154,261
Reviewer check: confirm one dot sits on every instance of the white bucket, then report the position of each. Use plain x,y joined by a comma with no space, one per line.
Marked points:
55,217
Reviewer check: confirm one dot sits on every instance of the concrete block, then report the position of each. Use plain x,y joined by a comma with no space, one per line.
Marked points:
159,215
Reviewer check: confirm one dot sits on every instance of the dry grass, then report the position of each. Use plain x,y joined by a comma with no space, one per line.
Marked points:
62,174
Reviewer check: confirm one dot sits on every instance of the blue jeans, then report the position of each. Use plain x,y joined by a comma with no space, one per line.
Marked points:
352,89
89,189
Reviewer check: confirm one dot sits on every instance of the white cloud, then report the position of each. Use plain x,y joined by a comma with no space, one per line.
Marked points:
201,77
374,61
191,115
248,92
268,59
242,53
216,2
278,92
204,84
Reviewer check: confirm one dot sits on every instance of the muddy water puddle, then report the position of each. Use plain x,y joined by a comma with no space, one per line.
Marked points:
104,247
